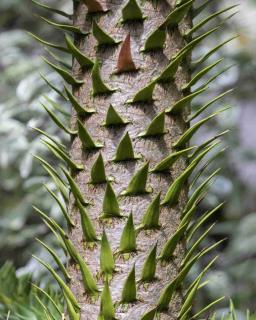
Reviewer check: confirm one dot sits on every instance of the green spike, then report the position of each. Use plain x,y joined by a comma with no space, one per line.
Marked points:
155,40
57,260
86,223
53,10
53,87
70,223
166,296
113,118
61,283
61,60
156,127
137,184
85,138
101,36
131,11
107,263
187,135
84,61
198,10
150,219
57,107
64,27
80,110
216,75
110,203
149,267
98,174
128,238
98,85
168,249
173,19
198,314
74,187
150,315
129,293
57,121
209,103
145,94
64,74
124,150
187,217
51,138
174,190
63,155
166,163
107,310
179,105
46,43
206,20
73,315
200,74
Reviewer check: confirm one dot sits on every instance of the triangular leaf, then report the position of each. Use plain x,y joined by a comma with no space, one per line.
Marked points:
107,263
86,223
156,127
113,118
107,310
98,174
177,14
128,238
150,219
138,182
80,110
125,62
85,138
166,296
166,163
99,87
110,203
101,36
84,61
131,11
64,74
155,40
145,94
149,267
124,150
129,293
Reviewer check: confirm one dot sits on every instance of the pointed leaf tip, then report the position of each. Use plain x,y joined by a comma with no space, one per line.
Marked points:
98,86
80,110
110,203
150,219
129,293
125,150
125,62
107,310
107,263
128,238
137,184
101,36
156,127
131,11
113,118
98,174
155,40
85,137
149,268
145,94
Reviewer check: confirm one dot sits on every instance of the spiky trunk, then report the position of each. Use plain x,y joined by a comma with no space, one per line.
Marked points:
125,69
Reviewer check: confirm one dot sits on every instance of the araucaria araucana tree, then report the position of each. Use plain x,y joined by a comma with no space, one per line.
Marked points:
131,235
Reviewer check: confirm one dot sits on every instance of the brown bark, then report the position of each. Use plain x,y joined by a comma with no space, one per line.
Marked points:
151,149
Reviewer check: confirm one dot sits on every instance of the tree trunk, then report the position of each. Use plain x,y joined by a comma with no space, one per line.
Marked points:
151,149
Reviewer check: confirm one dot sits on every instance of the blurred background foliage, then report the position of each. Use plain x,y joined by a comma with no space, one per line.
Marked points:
22,90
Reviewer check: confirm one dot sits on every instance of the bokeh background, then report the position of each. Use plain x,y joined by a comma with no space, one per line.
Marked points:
22,90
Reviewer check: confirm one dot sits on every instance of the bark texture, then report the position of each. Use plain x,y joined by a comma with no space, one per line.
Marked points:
151,149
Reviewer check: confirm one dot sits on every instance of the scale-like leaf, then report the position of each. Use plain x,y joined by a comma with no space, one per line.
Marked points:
156,127
101,36
107,263
131,11
145,94
89,232
80,110
125,62
177,14
179,105
166,296
149,267
110,203
150,219
98,174
129,293
128,237
150,315
64,27
87,141
98,86
107,310
113,118
138,182
166,163
155,40
74,187
84,61
124,150
49,44
64,74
